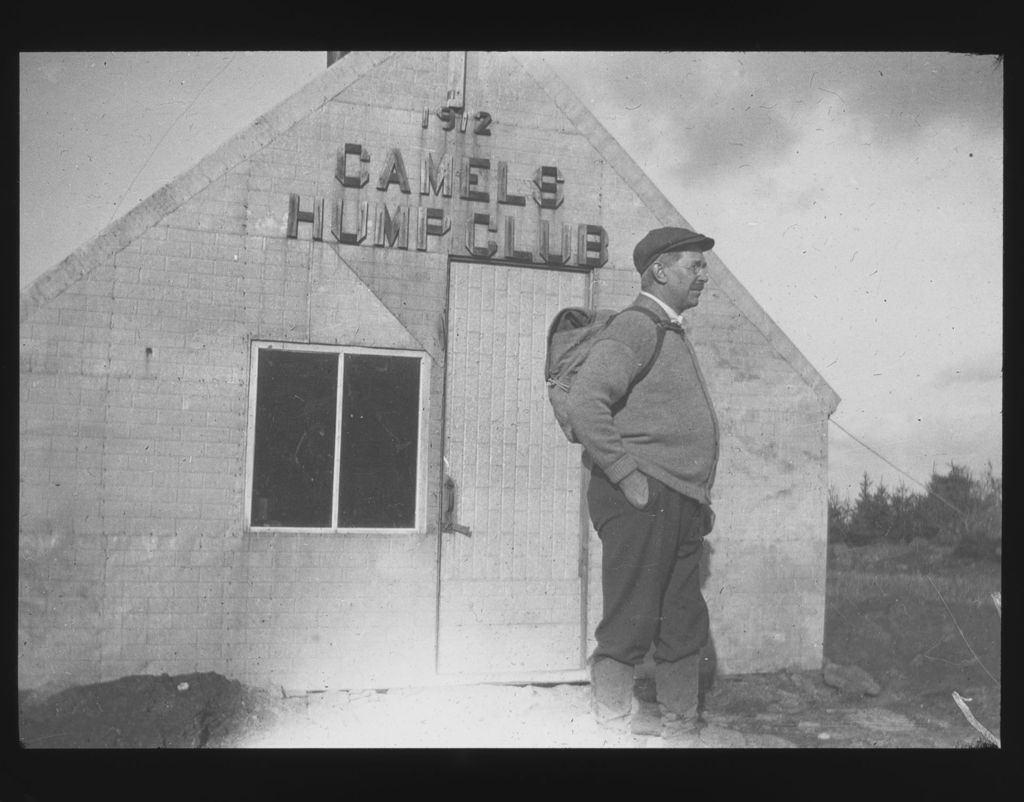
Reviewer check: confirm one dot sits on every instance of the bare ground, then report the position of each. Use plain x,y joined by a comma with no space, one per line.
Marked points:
919,621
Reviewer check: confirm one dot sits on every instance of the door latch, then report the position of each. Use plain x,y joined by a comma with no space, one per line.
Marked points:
448,509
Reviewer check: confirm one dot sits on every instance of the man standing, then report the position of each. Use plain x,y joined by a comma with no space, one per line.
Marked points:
653,446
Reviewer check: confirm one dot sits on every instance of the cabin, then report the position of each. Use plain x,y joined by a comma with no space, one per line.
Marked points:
286,420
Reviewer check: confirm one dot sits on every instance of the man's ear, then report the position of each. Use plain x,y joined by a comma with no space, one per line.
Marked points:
658,272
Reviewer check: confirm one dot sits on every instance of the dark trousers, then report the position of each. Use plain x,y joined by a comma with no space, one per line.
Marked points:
650,573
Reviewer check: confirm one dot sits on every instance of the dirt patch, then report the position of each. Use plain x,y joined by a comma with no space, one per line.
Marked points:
188,711
920,622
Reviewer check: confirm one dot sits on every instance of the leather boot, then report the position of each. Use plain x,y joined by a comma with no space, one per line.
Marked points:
611,692
677,686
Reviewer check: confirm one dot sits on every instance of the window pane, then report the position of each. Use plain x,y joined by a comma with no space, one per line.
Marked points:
293,457
380,438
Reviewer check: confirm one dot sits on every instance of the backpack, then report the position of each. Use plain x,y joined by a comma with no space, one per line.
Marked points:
571,335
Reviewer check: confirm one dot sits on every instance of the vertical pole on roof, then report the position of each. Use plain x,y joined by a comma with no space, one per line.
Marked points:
456,80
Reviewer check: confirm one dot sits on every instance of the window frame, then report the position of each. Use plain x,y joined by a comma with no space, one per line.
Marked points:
419,526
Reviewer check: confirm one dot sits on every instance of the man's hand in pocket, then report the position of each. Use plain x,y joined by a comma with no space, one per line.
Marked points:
635,488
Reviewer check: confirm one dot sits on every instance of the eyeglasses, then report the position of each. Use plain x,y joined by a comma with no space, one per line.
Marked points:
694,267
697,267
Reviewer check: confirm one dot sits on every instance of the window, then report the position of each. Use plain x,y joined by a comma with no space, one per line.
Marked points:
305,471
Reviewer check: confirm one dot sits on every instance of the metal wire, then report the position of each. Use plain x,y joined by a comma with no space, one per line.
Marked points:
169,128
897,468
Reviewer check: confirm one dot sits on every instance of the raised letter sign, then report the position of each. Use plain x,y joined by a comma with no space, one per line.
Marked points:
295,216
592,248
468,179
503,196
338,223
483,120
439,179
393,172
340,171
554,257
448,117
479,219
510,243
388,228
549,183
430,221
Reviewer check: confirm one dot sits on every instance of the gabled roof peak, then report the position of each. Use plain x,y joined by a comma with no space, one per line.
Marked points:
344,68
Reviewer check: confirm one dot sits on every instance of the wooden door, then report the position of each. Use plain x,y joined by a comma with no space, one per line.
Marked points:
511,591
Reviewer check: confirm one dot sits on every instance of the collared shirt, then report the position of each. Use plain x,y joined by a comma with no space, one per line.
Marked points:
672,316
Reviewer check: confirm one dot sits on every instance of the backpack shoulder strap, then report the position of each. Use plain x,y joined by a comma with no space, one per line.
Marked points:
660,326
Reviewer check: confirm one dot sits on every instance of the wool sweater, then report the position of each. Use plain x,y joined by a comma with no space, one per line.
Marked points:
666,426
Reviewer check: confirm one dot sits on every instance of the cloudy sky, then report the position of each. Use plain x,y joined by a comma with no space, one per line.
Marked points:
858,196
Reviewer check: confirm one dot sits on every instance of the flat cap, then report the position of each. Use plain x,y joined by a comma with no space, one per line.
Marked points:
666,240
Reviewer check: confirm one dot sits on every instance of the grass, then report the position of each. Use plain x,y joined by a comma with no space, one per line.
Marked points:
916,569
917,609
861,585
